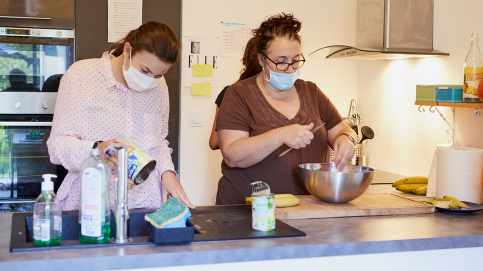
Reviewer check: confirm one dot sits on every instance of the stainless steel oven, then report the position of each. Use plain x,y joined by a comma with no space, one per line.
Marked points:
32,62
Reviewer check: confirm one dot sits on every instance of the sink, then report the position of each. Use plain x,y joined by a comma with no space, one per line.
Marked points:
212,223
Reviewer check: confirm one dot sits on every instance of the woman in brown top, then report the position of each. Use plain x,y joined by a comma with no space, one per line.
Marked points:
261,114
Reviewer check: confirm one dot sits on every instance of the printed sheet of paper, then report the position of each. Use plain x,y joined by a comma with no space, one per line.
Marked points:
234,37
200,63
122,17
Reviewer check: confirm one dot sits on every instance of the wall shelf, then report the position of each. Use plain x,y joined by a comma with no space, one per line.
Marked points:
433,108
467,105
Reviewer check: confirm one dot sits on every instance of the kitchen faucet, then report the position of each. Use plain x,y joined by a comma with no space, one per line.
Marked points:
121,214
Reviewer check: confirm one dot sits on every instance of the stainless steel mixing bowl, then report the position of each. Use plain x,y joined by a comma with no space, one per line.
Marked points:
328,184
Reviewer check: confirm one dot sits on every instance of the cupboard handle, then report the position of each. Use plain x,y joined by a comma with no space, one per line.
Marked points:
25,18
25,123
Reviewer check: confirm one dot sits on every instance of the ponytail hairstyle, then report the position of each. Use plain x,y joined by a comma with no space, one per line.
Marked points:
153,37
278,26
250,60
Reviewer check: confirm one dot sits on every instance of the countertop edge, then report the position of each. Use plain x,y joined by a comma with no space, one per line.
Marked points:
248,254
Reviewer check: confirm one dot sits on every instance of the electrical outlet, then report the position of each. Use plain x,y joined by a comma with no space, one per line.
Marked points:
196,119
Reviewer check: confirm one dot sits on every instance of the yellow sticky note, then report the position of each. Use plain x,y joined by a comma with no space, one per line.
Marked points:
201,89
202,70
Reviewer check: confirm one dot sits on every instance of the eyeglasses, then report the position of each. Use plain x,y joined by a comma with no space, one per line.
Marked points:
283,66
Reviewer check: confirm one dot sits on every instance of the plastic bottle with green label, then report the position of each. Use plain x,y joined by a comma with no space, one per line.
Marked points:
94,212
47,217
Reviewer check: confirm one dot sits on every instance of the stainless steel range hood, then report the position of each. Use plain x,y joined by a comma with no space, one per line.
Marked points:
390,29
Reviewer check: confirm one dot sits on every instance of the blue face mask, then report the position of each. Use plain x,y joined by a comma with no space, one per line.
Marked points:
282,81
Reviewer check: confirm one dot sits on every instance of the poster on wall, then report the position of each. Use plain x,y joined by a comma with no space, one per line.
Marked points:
234,37
122,17
200,65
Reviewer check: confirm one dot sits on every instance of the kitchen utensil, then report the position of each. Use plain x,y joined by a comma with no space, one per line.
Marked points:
355,130
313,131
354,117
348,121
367,133
328,184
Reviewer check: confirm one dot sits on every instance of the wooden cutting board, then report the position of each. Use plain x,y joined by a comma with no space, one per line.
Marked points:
365,205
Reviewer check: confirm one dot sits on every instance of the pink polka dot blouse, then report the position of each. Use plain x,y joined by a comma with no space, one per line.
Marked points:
91,105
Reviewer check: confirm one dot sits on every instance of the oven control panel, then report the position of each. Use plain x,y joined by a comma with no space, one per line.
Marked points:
27,102
36,32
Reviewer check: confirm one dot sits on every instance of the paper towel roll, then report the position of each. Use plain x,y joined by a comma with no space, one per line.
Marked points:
457,172
432,176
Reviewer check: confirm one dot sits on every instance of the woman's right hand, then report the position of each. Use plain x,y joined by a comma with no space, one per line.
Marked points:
110,145
241,150
296,136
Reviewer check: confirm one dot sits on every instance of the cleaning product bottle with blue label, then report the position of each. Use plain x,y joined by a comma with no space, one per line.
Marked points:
47,215
94,212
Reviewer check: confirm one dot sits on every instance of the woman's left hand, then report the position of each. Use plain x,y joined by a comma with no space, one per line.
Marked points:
344,150
171,186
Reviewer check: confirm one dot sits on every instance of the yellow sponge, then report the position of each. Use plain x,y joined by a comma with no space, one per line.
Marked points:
172,214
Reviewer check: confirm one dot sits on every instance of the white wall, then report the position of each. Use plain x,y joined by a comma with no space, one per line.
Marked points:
323,23
405,139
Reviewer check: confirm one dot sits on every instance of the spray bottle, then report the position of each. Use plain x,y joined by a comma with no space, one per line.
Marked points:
47,215
94,211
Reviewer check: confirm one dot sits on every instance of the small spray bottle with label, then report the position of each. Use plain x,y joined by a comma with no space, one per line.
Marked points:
47,215
94,211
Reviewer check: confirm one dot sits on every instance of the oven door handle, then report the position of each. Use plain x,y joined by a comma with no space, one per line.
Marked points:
25,123
25,18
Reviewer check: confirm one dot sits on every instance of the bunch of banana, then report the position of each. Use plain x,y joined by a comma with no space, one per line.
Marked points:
281,200
447,202
417,185
421,190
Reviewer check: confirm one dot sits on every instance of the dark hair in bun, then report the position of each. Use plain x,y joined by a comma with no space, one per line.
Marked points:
250,60
277,26
153,37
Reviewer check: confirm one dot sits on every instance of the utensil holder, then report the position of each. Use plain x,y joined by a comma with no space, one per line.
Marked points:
362,161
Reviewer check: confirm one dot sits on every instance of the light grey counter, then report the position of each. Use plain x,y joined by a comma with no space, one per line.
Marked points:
325,237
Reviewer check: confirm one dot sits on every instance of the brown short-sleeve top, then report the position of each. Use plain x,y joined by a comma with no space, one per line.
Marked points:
245,108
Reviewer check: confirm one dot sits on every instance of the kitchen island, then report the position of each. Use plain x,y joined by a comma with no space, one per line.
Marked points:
371,236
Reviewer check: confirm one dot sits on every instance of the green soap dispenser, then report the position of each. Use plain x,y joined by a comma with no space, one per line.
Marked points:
94,212
47,215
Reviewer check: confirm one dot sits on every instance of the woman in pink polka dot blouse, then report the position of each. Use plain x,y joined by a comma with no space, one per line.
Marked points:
123,95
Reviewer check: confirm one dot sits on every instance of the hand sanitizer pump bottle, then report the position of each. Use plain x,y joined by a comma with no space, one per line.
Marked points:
94,211
47,215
